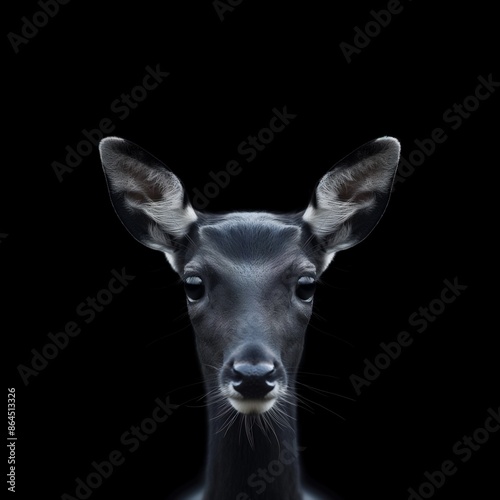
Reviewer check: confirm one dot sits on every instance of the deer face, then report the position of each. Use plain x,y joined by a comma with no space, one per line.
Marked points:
249,282
249,277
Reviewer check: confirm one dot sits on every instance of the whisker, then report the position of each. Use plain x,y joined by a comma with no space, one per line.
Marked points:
271,428
317,374
321,406
323,392
228,423
216,368
249,430
281,418
299,403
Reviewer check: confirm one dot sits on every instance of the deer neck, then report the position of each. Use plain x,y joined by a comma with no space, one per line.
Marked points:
254,457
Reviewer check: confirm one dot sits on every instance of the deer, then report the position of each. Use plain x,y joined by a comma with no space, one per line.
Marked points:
249,278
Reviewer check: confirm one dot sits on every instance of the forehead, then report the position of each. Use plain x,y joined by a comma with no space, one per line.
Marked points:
250,239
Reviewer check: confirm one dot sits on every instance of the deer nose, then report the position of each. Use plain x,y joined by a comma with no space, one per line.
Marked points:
253,381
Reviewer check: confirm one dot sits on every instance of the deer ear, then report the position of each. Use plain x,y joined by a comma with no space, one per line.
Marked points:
148,198
351,198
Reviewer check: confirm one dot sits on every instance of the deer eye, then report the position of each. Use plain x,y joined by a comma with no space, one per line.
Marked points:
305,288
194,287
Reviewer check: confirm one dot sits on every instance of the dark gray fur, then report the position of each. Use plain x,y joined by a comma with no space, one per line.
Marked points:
251,319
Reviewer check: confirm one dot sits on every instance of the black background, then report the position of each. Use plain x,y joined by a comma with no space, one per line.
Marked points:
225,79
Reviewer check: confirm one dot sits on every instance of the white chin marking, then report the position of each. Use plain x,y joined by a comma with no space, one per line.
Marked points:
254,406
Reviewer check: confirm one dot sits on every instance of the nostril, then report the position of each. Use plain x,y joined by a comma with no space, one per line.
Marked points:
253,380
